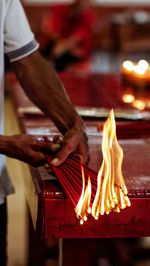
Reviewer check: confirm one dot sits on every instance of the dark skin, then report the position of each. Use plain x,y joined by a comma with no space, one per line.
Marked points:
44,88
27,148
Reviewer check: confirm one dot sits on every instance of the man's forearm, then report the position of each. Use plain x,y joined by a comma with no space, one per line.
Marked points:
44,88
5,143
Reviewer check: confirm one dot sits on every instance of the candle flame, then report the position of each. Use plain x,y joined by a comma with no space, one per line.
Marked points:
140,68
128,98
128,65
139,104
144,64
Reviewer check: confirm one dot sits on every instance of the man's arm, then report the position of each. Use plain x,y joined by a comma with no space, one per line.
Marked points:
44,88
27,148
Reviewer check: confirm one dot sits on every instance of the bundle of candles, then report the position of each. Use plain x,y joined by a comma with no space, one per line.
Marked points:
92,193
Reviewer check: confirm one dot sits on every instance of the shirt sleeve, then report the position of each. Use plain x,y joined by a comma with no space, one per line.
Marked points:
18,38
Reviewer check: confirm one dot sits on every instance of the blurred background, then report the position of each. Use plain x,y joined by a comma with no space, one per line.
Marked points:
115,30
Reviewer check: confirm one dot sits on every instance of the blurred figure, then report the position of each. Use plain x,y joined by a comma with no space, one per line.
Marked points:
68,33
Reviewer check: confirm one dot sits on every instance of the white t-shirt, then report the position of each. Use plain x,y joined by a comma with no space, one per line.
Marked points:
17,41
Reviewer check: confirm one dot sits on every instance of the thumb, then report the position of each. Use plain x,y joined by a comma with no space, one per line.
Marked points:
62,155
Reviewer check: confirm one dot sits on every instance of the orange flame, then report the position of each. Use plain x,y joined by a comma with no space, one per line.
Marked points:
111,191
83,207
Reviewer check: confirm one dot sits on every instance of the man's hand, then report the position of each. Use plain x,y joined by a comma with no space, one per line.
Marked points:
75,139
27,148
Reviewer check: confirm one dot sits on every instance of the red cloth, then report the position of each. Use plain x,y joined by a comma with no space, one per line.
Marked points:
61,24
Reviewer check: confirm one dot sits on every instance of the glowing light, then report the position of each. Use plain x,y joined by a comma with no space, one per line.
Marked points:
128,65
139,104
81,222
85,218
139,69
128,98
144,64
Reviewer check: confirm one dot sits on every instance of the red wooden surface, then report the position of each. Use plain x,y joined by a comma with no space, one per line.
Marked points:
56,216
60,221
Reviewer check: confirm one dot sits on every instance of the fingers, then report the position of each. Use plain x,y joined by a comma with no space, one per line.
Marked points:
36,159
67,149
55,147
62,155
47,147
42,147
57,139
73,142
